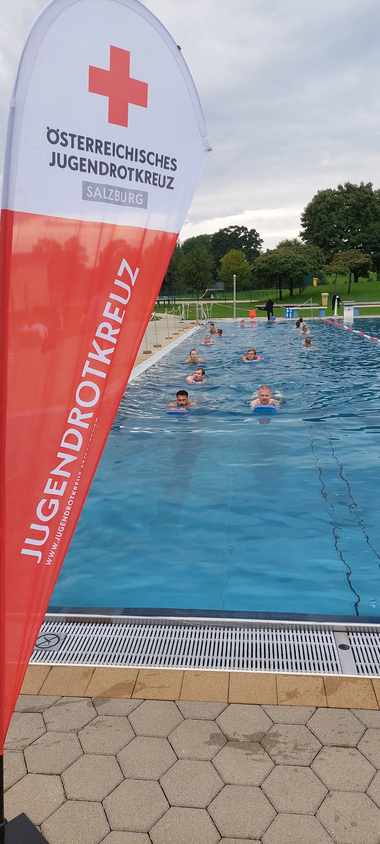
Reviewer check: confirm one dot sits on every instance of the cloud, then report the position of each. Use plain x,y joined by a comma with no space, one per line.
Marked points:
290,94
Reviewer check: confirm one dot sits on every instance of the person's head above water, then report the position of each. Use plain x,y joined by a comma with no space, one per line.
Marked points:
264,394
193,354
199,374
182,398
251,354
219,332
242,324
306,341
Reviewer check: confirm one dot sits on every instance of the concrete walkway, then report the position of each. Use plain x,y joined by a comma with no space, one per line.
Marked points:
120,765
161,333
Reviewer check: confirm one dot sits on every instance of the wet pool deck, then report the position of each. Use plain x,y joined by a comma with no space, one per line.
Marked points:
164,756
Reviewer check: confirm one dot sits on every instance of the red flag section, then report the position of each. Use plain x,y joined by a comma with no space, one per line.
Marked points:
93,203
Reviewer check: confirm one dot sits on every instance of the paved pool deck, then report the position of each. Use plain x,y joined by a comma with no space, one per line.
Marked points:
165,756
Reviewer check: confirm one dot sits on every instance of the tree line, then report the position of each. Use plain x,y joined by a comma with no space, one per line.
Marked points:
340,234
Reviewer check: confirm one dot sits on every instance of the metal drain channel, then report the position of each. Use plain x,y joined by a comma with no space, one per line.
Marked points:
365,647
301,649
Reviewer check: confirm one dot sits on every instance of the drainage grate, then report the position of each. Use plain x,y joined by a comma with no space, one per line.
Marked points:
232,648
365,647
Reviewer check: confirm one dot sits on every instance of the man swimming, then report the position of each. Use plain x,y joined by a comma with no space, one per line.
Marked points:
198,376
264,397
182,400
250,356
193,357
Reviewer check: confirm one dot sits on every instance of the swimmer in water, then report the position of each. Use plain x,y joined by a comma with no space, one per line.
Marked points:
242,324
198,376
193,357
264,397
207,341
182,400
304,329
212,328
250,356
306,342
219,332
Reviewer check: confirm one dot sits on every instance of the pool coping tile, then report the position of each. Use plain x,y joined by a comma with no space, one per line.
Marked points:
211,686
350,693
260,688
112,682
158,684
301,690
247,687
67,680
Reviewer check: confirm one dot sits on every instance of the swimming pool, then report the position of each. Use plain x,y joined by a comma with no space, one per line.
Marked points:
215,511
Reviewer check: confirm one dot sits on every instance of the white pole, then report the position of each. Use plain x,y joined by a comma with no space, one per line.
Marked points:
234,296
336,307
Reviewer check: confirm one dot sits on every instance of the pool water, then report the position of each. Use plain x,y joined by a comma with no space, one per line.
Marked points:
214,510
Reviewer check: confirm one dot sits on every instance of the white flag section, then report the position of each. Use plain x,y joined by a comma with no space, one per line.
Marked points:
106,144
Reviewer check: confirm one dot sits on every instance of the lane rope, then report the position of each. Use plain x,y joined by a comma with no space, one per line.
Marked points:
353,330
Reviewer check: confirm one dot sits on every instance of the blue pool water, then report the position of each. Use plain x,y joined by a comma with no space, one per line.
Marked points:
215,511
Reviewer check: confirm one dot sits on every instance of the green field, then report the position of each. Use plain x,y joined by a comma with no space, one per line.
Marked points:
366,290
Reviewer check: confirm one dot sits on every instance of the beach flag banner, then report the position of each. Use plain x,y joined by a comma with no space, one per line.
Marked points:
106,144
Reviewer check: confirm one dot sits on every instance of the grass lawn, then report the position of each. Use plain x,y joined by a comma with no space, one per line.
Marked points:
364,291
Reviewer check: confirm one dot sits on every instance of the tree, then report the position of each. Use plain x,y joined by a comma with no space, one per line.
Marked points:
235,263
196,270
355,263
172,281
286,264
344,218
202,241
240,238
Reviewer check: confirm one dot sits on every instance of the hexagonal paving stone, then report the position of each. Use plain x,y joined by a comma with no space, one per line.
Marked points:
368,717
244,722
34,703
115,706
155,718
52,753
92,777
197,740
192,784
291,744
350,818
146,758
36,795
126,838
289,714
25,727
294,789
343,769
291,829
76,822
369,745
243,763
106,734
14,767
336,727
135,805
374,789
69,714
199,710
241,811
185,826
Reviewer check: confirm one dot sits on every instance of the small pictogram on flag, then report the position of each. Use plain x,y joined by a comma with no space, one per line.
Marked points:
117,84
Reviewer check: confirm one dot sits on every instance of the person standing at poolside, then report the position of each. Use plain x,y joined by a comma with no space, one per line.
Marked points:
250,356
198,376
264,397
182,400
268,307
193,357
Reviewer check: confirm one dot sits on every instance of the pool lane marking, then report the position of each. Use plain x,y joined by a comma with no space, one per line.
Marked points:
353,330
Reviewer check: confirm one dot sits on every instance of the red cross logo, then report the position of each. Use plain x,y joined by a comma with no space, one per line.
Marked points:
118,86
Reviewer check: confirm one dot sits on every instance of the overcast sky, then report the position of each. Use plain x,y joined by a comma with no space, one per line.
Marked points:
290,91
